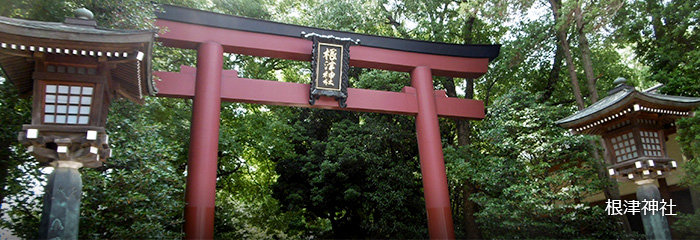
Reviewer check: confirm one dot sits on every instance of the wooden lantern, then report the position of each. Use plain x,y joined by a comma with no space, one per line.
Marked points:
634,126
73,70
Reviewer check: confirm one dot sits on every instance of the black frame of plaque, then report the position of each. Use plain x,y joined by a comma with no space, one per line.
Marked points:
337,85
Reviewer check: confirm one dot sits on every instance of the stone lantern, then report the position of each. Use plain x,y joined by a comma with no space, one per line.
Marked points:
72,70
634,126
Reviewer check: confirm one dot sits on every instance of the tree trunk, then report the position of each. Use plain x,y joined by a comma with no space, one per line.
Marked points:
463,126
463,139
564,43
554,76
4,172
585,53
610,190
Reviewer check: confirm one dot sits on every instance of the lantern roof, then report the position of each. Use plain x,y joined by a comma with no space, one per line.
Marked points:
128,51
625,99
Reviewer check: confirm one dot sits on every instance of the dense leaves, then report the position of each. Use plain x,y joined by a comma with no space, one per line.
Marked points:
140,191
664,34
358,171
20,176
689,138
532,175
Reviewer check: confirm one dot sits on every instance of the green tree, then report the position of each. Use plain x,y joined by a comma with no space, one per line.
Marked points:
253,138
139,192
532,174
358,171
13,113
664,35
18,173
689,139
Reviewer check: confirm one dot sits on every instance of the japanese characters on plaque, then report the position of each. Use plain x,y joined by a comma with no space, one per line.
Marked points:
329,67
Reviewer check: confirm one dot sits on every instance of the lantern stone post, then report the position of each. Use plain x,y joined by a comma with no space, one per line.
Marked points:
61,211
634,126
655,224
72,70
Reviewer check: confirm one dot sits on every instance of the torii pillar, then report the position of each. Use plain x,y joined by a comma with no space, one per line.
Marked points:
204,143
432,162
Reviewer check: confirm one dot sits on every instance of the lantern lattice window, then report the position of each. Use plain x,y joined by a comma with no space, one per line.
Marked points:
624,146
650,143
67,104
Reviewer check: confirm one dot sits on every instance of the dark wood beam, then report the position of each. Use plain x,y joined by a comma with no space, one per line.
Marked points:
189,36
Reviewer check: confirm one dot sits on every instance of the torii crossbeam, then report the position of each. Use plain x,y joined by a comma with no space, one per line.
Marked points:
213,34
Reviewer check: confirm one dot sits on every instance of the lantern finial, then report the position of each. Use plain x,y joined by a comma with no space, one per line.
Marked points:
83,13
619,81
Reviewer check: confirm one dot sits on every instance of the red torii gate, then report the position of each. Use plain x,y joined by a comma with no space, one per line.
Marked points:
213,34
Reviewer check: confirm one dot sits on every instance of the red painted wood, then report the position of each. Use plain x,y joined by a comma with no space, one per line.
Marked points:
200,191
432,163
184,35
377,58
420,100
234,89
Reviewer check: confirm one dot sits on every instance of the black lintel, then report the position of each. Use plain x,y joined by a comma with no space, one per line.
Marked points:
212,19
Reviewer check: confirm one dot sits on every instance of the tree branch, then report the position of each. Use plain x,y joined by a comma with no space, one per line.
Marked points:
394,23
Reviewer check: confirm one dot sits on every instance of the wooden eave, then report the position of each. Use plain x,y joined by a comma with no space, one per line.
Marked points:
69,32
22,39
619,105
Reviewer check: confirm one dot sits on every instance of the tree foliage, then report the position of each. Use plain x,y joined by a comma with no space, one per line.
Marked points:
665,36
139,193
357,171
532,174
689,139
13,113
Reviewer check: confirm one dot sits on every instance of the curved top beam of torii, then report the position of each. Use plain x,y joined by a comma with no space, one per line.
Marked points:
188,28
